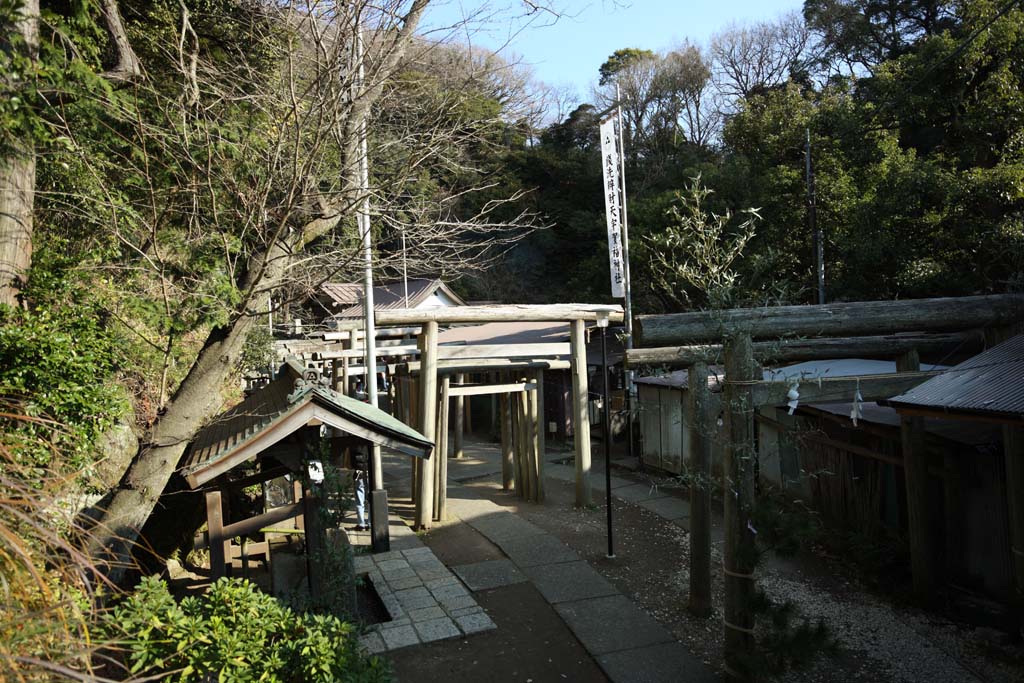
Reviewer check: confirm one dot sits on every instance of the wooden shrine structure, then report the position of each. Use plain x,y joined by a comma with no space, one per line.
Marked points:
269,434
882,329
515,374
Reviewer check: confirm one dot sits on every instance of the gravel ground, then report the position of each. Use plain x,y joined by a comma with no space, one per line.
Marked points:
877,640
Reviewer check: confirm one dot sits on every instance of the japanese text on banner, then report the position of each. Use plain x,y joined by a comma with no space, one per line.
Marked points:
610,162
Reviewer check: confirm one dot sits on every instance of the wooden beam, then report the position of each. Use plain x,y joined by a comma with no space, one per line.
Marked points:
428,417
879,346
1013,453
739,466
354,328
915,471
382,352
253,524
496,314
457,366
486,389
530,351
700,421
840,319
872,388
580,412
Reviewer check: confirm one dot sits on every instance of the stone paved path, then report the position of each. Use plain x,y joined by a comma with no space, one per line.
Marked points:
628,644
424,600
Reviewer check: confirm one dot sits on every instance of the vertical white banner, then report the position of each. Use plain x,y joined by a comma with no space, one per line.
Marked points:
610,163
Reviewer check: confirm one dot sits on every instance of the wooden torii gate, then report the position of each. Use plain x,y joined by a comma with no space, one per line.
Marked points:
429,368
843,330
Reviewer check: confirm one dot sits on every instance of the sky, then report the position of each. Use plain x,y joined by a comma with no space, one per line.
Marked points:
569,50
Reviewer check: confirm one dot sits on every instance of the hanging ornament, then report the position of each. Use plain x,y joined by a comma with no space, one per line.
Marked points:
794,397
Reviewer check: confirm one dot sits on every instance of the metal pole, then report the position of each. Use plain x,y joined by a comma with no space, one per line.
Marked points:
379,514
607,438
405,271
625,272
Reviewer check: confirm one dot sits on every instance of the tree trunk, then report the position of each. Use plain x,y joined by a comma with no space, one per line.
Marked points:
195,401
17,185
140,488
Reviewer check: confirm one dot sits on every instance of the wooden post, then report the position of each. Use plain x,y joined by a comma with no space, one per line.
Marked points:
524,443
532,442
219,546
538,396
915,471
507,466
700,421
428,420
414,420
460,418
442,447
517,472
1013,449
346,384
314,542
738,495
300,523
336,375
580,414
952,484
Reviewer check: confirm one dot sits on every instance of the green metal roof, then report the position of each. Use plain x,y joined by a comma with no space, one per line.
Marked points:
267,408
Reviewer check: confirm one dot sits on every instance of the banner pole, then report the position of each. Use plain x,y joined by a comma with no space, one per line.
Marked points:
625,272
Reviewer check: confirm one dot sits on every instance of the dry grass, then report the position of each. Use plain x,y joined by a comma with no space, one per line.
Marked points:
49,590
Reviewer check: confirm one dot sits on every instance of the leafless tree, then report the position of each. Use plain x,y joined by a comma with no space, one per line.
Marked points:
748,59
230,217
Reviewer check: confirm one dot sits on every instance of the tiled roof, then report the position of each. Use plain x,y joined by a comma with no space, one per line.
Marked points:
348,296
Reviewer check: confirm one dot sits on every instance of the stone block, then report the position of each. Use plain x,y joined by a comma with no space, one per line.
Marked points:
372,643
405,583
569,581
401,636
475,623
663,663
533,550
425,614
437,629
415,598
457,603
611,623
392,565
489,574
449,592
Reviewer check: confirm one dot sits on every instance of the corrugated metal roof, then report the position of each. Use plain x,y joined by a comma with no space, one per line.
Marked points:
991,383
389,296
234,428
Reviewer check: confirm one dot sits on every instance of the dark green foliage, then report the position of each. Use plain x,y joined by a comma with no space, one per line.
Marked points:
233,632
785,640
619,60
58,361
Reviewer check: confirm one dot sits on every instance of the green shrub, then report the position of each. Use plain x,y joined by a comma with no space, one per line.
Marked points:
234,633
